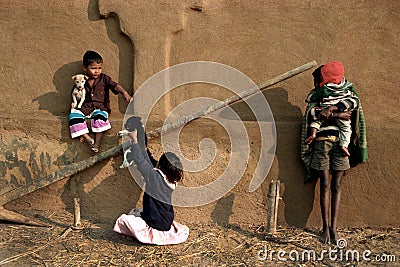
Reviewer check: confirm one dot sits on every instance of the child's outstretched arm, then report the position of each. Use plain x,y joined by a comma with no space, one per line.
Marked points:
119,89
143,165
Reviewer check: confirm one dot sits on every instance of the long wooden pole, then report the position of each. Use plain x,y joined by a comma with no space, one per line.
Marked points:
58,175
182,121
87,163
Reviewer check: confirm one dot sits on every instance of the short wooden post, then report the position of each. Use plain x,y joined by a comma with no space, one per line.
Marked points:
277,198
273,201
77,214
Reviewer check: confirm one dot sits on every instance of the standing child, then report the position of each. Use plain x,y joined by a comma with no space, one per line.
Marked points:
96,106
323,155
155,223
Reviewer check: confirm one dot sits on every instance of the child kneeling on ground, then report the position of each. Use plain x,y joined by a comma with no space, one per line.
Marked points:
155,223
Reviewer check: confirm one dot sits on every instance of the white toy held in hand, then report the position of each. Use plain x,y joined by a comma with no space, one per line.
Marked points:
132,124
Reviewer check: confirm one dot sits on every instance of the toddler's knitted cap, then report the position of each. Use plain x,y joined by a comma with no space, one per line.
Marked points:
332,72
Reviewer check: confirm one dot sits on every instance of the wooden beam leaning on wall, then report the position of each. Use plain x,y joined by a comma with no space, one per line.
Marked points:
74,168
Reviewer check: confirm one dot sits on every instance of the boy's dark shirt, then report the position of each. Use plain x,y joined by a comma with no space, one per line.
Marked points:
98,95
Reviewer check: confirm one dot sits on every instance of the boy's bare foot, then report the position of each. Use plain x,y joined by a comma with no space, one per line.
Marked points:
345,151
86,138
334,235
325,237
95,148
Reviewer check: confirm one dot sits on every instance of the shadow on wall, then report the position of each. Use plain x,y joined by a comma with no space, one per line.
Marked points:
58,103
297,197
104,196
223,210
125,45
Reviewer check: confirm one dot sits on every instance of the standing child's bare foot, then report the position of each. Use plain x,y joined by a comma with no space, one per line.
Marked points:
325,237
345,151
334,235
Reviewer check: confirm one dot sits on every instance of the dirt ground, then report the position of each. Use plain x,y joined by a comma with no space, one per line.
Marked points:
208,245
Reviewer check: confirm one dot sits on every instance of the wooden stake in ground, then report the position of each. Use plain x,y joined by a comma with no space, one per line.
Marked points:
87,163
273,201
77,215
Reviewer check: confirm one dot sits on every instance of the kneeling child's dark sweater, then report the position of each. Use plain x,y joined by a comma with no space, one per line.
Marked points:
158,211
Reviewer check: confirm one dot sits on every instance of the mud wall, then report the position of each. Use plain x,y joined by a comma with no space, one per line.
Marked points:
42,44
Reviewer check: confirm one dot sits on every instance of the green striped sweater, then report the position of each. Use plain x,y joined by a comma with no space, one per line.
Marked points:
358,145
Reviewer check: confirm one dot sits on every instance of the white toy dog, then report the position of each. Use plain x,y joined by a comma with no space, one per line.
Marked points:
126,162
79,92
133,123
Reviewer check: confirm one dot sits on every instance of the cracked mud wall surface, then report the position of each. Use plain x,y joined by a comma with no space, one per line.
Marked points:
42,44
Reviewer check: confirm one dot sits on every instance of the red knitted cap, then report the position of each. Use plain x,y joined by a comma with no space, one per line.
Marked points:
332,72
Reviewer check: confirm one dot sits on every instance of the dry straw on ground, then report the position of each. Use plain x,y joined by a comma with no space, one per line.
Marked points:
208,245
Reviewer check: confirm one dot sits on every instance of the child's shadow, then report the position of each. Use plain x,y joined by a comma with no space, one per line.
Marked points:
104,195
58,104
298,198
223,210
126,49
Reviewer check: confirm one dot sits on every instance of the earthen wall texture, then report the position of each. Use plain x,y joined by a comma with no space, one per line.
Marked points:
42,43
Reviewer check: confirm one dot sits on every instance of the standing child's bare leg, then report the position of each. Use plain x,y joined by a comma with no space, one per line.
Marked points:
336,192
324,203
